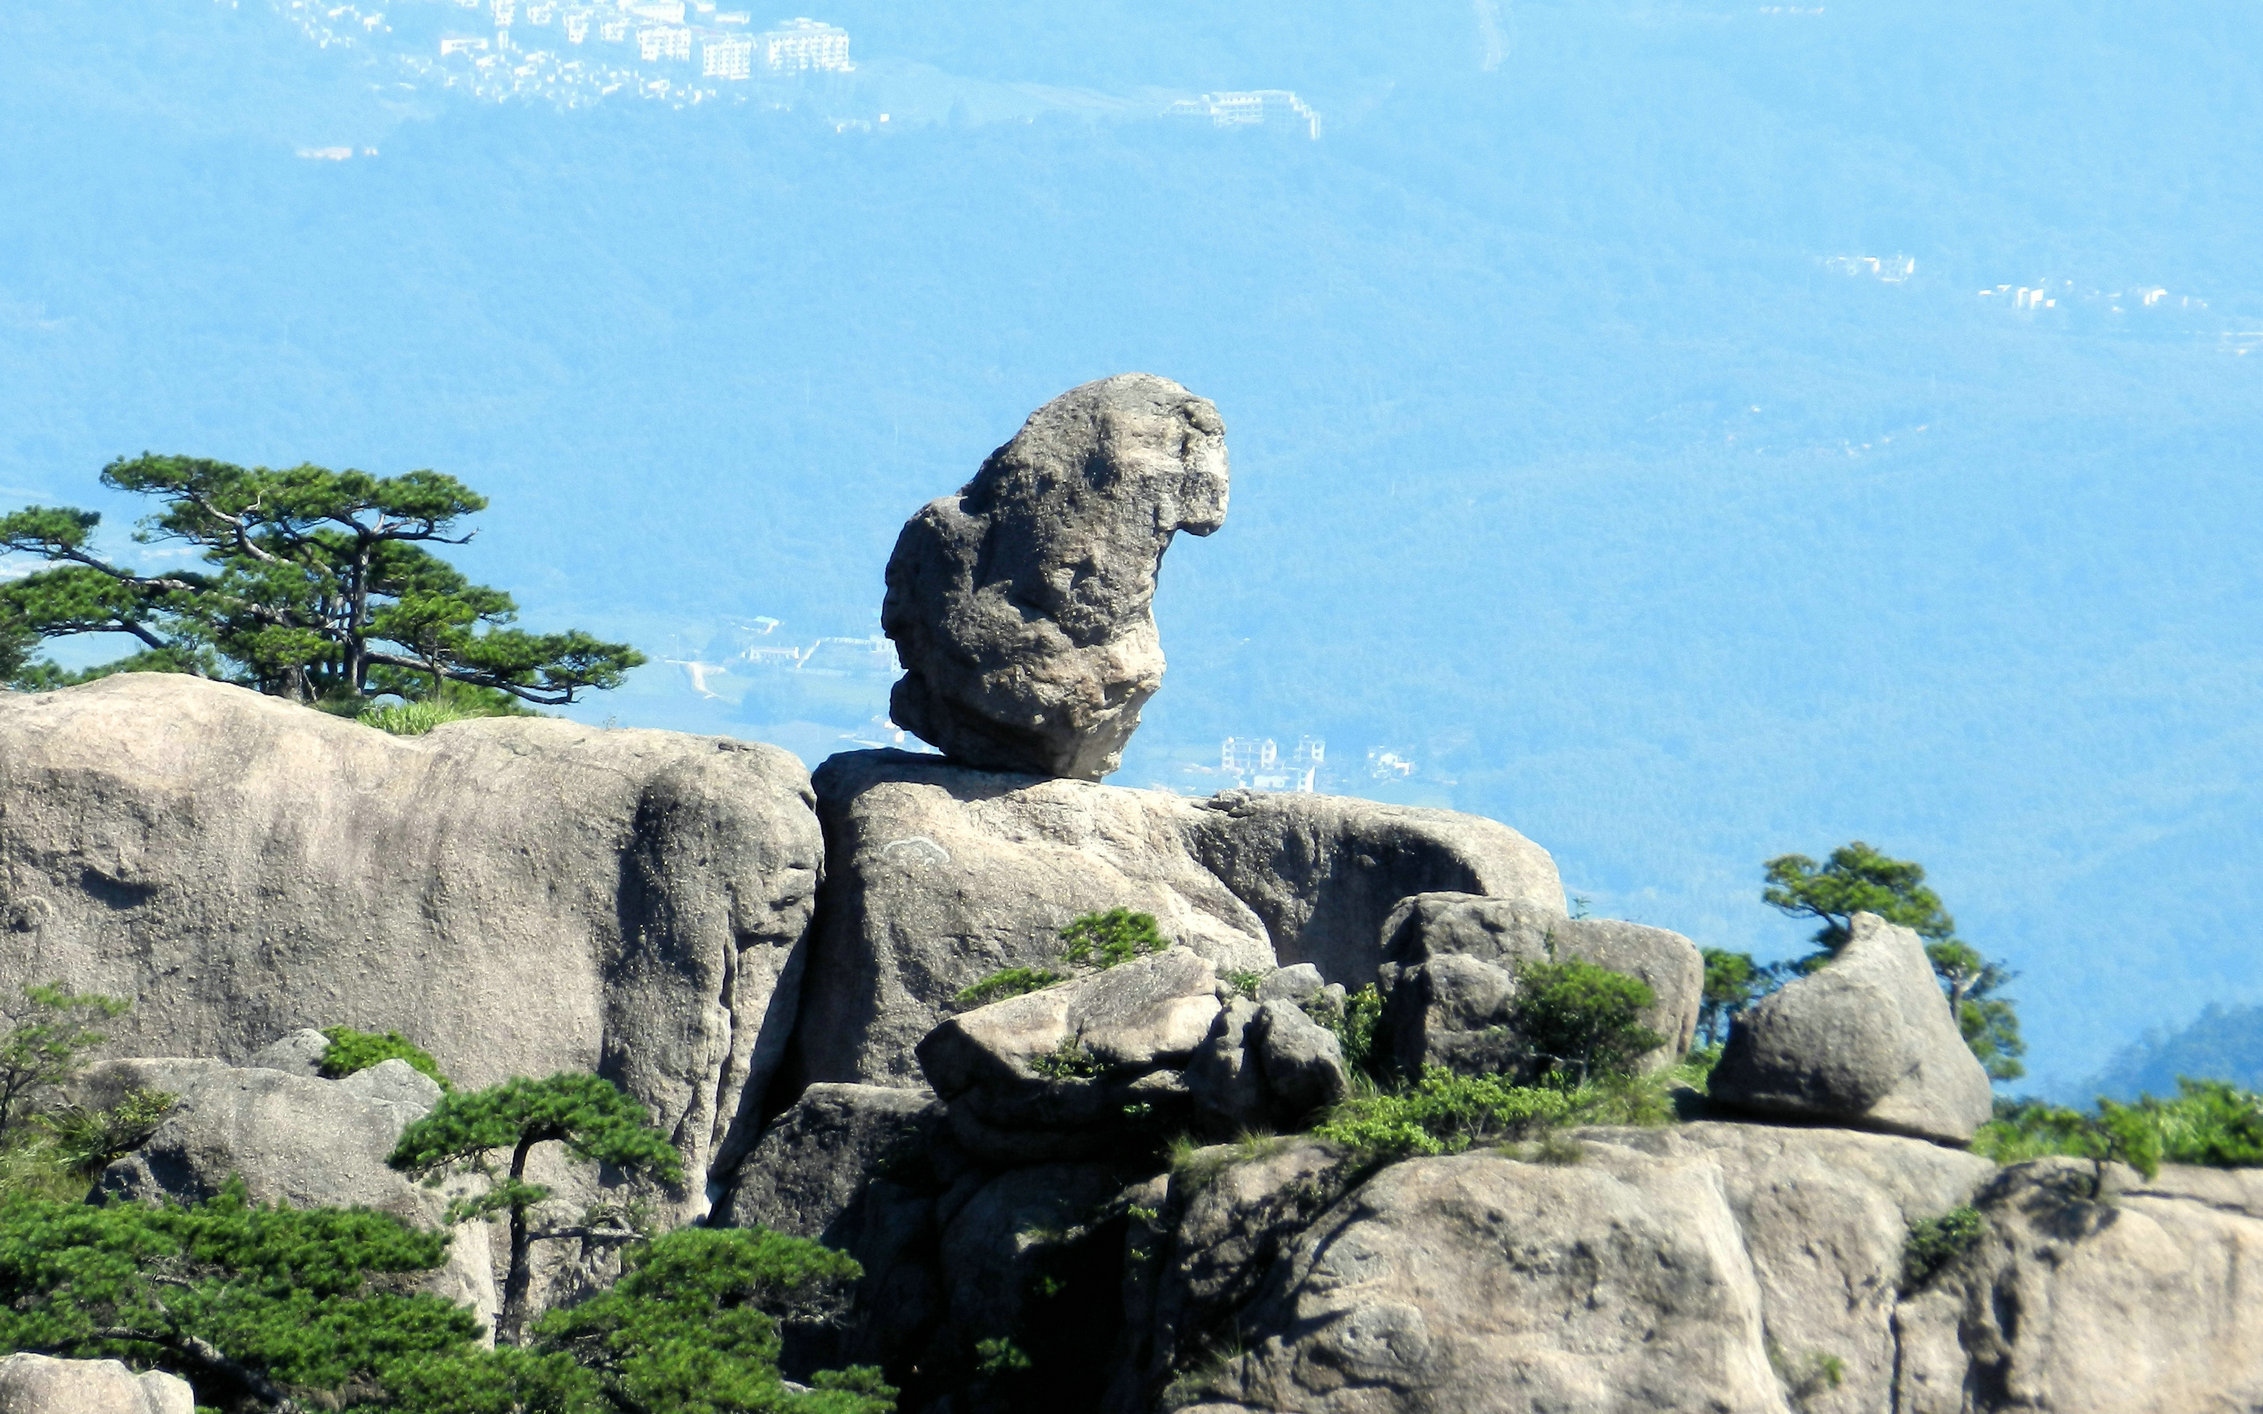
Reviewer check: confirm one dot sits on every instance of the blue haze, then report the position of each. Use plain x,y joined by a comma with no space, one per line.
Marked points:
1567,464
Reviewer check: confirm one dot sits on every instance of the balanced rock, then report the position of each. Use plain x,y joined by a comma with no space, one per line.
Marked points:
517,895
1449,977
1021,607
42,1384
1868,1041
938,876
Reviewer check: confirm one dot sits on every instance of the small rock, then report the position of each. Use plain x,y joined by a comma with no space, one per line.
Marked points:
1301,1060
299,1053
42,1384
1223,1075
1866,1041
1291,984
1021,607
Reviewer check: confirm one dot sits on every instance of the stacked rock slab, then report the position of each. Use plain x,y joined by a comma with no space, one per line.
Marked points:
1021,607
1868,1040
1449,977
519,896
938,876
42,1384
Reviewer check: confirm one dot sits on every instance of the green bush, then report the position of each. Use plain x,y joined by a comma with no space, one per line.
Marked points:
413,718
1011,982
1353,1020
255,1305
1935,1242
1582,1021
1444,1113
1102,940
2209,1122
350,1050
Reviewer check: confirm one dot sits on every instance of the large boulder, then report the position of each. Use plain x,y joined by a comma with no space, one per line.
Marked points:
42,1384
2094,1293
1824,1215
292,1139
938,876
1449,977
1868,1041
1481,1283
1021,607
519,896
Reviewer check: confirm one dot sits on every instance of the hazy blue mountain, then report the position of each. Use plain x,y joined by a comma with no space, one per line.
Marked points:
2222,1043
1582,459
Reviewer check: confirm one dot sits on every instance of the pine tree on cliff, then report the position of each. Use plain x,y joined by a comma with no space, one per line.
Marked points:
314,585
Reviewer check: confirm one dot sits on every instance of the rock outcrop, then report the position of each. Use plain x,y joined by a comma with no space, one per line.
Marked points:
520,896
1021,607
294,1139
42,1384
1868,1040
1449,977
938,876
2095,1293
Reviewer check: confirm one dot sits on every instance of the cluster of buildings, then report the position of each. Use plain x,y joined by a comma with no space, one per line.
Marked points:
1888,269
1258,763
1262,107
722,42
2044,294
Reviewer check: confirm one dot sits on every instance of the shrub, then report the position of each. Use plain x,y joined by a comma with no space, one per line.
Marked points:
48,1032
1102,940
1581,1021
1935,1242
2209,1122
414,718
1011,982
350,1050
1353,1020
1443,1113
85,1141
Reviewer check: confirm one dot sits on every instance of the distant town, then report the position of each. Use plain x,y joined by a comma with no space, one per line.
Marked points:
575,53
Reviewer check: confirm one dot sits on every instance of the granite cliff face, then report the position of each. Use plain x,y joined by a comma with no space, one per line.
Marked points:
775,968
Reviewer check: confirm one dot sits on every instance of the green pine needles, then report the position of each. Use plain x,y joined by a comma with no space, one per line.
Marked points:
586,1113
350,1050
1091,942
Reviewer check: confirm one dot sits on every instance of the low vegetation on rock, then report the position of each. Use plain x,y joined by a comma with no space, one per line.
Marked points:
350,1050
1090,942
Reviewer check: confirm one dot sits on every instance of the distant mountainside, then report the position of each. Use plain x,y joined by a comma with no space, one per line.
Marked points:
2222,1043
1622,438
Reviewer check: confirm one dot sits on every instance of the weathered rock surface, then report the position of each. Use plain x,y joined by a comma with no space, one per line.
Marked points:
307,1142
1449,977
1050,1074
1868,1040
808,1172
938,876
1265,1065
1479,1283
2138,1300
42,1384
518,896
1824,1214
1021,607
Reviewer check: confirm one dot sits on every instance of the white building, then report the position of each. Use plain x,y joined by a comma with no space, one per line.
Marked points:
1256,763
801,45
462,44
504,9
726,56
1254,108
663,42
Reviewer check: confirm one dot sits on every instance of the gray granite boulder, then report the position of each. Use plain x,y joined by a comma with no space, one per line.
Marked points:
1021,607
1867,1041
293,1139
810,1169
1481,1283
1265,1065
1054,1073
42,1384
1448,975
517,895
938,876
